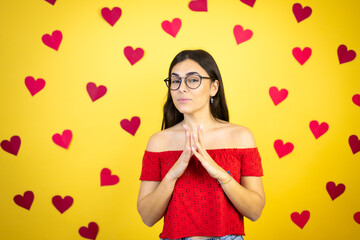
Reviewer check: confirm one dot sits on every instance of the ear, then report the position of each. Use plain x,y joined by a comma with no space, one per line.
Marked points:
214,87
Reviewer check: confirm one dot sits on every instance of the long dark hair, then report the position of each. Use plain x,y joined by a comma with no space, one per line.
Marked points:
218,109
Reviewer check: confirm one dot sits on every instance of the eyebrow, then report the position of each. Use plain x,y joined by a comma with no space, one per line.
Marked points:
187,74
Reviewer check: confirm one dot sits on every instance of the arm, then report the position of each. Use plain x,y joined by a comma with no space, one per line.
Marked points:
153,199
154,196
247,197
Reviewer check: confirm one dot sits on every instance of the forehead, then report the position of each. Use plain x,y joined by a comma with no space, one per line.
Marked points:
186,66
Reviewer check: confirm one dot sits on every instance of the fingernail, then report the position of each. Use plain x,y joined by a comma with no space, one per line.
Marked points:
201,126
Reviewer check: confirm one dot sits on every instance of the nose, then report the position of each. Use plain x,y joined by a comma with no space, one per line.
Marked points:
183,87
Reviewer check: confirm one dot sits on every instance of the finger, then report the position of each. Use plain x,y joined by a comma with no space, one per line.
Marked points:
198,155
200,136
200,148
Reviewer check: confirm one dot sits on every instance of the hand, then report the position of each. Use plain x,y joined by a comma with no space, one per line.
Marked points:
182,163
198,149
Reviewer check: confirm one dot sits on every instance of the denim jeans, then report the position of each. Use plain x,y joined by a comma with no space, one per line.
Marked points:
227,237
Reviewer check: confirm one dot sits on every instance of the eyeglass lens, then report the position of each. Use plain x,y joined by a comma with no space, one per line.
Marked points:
193,81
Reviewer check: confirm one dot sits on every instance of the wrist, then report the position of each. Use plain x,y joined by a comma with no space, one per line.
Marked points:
224,177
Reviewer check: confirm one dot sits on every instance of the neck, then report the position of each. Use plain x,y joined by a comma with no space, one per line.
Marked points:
193,121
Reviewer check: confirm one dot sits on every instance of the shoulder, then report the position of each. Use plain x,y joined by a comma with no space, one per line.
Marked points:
241,136
159,141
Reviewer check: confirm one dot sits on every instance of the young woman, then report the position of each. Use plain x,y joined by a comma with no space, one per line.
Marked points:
201,172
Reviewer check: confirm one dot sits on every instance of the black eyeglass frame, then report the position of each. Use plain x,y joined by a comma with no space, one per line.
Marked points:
167,80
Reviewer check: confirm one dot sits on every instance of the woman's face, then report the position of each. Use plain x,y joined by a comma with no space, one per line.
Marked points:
188,100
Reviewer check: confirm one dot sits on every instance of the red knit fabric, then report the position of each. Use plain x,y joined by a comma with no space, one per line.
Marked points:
199,206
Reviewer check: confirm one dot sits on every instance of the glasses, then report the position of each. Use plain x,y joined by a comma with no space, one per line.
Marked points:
192,80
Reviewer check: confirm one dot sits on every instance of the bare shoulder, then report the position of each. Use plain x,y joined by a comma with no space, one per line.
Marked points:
159,141
240,136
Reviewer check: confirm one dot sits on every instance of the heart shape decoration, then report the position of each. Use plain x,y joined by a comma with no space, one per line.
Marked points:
106,179
62,204
172,27
54,40
318,130
34,86
133,56
356,99
242,35
357,217
95,92
300,219
52,2
111,16
64,139
249,2
131,126
278,96
335,191
198,5
25,201
301,55
283,149
89,232
345,55
354,143
301,13
11,146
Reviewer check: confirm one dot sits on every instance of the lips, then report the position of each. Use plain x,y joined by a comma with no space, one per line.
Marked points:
184,100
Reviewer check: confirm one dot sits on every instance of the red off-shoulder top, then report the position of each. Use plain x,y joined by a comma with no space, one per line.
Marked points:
199,206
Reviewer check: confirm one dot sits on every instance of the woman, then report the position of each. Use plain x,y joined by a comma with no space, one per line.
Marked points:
202,173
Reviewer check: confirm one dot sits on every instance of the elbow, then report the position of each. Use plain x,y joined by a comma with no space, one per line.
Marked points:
145,219
148,223
258,211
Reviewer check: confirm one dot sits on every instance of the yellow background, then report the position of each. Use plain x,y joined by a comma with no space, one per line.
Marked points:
92,51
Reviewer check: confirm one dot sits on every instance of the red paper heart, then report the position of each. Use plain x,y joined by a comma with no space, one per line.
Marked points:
89,232
26,200
62,204
173,27
95,92
335,191
198,5
300,219
283,149
357,217
278,96
301,55
345,55
249,2
356,99
34,86
54,40
51,1
11,146
64,139
111,16
318,130
132,55
354,143
242,35
131,126
300,12
106,179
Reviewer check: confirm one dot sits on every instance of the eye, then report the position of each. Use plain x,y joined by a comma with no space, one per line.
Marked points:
193,79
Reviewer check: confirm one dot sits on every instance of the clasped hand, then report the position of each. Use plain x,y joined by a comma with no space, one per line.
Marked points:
194,145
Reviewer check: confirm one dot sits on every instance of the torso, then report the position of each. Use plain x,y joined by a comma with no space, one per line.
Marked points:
220,135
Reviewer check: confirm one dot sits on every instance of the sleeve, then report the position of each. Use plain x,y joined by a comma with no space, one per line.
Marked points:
151,170
251,163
